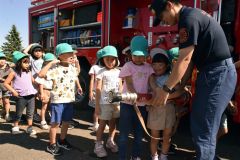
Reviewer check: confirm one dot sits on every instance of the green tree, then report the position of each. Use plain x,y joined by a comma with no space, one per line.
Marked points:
13,43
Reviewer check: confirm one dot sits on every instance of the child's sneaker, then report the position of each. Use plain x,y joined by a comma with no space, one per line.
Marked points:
36,118
70,126
95,127
163,157
8,118
112,146
155,157
44,125
106,128
15,130
64,144
31,131
99,150
54,150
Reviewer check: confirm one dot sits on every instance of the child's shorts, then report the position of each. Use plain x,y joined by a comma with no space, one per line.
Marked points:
4,94
109,111
160,118
61,112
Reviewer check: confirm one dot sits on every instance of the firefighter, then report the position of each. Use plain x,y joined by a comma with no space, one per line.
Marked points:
202,44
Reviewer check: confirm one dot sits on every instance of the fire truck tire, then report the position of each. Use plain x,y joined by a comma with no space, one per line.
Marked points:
84,80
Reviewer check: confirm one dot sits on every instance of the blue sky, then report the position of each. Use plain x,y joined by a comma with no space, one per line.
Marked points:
14,12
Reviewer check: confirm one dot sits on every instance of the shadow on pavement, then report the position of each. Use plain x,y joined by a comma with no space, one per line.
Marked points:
83,141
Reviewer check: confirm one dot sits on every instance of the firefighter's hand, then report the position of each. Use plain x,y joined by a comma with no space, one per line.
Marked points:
160,98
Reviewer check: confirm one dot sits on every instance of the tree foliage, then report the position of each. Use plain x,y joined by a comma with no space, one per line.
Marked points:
13,43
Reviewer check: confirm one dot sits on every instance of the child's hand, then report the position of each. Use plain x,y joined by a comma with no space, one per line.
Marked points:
232,108
41,97
91,96
15,93
75,60
79,90
2,80
55,61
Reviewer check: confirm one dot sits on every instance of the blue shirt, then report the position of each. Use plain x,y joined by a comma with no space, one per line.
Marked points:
198,28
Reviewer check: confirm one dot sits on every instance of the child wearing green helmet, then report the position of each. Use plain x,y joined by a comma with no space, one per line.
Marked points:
161,118
35,52
92,89
173,54
44,87
5,70
107,80
22,88
65,81
135,74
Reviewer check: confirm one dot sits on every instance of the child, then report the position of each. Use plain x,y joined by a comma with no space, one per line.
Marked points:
135,74
161,118
22,88
44,88
107,80
92,90
75,60
35,51
92,87
65,79
5,70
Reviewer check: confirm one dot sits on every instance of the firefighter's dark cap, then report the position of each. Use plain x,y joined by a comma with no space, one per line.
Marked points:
158,6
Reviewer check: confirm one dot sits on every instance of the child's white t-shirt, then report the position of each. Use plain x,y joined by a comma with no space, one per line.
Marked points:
94,71
64,83
47,84
36,65
110,82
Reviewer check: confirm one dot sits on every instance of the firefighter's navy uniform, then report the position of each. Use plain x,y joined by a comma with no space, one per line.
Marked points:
216,78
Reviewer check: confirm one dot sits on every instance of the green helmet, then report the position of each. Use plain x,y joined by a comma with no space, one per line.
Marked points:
139,46
173,53
63,48
49,57
18,56
99,53
109,51
2,55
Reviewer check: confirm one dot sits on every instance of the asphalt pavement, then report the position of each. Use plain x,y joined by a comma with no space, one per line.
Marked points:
24,147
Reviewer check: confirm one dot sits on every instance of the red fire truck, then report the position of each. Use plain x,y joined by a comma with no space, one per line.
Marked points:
92,24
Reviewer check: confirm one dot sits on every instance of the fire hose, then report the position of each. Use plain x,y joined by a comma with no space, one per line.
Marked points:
133,98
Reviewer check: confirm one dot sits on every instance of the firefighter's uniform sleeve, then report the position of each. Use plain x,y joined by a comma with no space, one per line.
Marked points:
189,30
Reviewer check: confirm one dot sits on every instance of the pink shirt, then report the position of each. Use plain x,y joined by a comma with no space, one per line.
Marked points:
140,74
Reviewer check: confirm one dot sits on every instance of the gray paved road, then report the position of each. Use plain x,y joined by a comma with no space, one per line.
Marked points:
23,147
